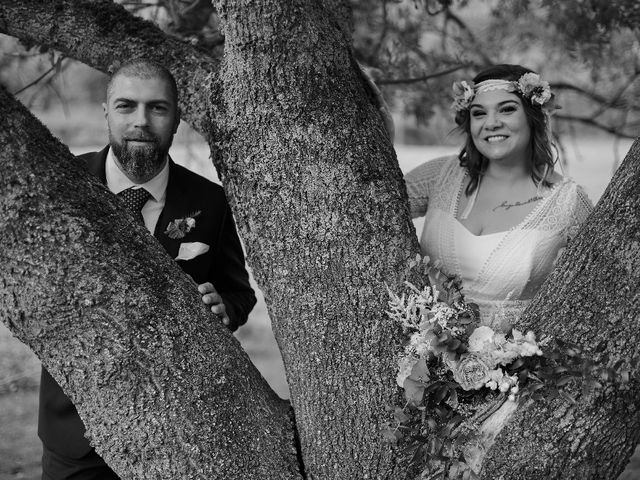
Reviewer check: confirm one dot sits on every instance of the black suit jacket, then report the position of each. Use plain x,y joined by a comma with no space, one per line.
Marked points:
59,424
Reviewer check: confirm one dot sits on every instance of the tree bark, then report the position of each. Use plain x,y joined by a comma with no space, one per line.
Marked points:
321,205
592,299
164,389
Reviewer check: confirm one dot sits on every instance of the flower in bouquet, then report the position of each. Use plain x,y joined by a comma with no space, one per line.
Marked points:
471,372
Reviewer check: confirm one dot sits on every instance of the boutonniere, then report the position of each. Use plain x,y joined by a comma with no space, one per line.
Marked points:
179,227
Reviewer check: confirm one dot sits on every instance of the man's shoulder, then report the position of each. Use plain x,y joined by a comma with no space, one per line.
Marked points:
87,156
95,155
195,181
94,162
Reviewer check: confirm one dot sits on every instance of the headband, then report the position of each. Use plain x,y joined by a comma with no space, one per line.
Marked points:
529,85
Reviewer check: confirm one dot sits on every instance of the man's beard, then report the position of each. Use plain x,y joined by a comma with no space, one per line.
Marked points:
144,161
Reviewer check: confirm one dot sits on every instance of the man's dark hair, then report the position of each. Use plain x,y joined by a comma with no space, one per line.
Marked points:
144,68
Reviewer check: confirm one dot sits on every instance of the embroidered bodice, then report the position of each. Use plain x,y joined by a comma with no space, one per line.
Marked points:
500,272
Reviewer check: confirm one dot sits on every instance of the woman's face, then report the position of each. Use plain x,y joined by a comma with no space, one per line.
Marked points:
499,127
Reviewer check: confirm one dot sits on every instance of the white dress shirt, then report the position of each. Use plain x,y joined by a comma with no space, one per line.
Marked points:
117,182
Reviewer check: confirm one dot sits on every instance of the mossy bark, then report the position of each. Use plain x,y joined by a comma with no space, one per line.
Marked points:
164,389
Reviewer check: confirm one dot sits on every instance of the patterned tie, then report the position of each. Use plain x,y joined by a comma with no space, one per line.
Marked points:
134,199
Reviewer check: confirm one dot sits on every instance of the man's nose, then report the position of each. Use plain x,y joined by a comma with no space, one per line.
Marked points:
142,117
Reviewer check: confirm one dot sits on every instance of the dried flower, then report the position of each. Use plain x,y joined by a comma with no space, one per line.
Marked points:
462,95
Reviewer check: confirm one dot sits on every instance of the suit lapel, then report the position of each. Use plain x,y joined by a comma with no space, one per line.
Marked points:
95,163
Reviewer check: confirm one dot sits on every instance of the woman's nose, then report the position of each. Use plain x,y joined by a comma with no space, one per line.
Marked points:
492,121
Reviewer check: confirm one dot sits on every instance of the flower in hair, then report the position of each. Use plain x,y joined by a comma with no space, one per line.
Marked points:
463,94
534,88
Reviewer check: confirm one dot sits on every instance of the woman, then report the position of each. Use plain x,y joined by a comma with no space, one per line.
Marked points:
497,214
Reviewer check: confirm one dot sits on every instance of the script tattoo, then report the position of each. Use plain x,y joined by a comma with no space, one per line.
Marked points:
507,205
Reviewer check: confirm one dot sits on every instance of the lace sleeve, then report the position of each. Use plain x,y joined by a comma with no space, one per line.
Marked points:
582,207
420,184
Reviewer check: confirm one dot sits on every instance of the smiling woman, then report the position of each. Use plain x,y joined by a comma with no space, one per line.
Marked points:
497,214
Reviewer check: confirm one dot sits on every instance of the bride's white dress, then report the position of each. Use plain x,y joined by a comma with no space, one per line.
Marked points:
501,272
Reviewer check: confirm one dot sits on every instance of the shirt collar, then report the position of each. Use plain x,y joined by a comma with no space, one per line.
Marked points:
117,181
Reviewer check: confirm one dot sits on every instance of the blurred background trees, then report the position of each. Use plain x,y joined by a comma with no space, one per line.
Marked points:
589,50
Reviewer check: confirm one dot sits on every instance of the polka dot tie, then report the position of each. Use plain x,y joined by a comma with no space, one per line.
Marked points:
134,199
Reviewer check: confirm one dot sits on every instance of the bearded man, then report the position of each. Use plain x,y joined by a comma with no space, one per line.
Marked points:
187,214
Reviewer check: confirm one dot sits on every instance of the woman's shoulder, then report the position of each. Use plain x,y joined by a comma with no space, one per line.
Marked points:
451,160
569,192
565,184
433,167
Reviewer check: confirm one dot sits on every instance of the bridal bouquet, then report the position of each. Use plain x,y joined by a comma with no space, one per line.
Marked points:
455,373
448,337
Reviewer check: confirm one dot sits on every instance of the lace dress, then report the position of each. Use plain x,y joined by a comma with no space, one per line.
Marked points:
500,272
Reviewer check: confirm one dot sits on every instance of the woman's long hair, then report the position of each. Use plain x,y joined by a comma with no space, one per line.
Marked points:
541,151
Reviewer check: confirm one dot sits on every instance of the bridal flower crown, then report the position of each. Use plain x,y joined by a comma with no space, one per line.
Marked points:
529,85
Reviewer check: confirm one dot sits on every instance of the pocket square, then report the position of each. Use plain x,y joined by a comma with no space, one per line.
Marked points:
189,250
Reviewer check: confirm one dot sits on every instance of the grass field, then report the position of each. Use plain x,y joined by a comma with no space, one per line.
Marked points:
590,164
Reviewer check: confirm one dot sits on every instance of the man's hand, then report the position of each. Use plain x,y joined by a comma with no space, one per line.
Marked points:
211,297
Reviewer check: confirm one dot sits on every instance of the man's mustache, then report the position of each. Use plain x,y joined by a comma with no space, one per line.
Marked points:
138,137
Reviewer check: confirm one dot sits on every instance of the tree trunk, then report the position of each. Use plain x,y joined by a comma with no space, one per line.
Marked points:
164,389
592,299
321,206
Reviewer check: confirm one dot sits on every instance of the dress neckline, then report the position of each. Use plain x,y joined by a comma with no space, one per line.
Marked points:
486,235
546,194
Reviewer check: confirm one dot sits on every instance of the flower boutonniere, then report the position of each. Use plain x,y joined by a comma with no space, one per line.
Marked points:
179,227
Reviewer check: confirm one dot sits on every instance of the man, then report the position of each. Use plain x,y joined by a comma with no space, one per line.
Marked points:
187,213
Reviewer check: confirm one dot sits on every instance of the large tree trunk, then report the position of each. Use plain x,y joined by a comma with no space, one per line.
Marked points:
320,203
164,389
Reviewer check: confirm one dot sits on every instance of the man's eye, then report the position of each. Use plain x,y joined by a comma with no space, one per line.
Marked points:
123,106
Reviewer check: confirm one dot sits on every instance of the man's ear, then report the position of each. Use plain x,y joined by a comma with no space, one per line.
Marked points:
104,109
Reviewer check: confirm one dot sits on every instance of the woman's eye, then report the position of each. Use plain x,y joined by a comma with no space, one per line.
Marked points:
477,113
509,109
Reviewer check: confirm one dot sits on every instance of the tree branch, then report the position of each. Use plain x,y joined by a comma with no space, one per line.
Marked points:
420,79
473,40
101,33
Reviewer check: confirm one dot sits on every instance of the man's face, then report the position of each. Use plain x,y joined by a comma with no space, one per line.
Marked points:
142,117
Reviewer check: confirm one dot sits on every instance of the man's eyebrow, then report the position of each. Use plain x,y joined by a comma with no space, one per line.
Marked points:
155,101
